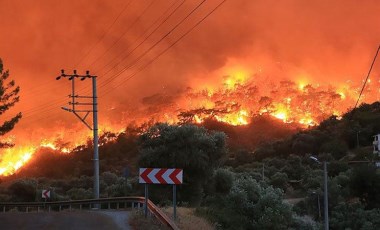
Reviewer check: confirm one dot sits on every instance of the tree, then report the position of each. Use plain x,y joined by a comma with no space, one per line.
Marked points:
354,216
194,149
250,205
8,98
365,184
23,190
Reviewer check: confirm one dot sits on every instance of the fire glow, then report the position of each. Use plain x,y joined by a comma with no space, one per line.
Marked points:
234,101
12,159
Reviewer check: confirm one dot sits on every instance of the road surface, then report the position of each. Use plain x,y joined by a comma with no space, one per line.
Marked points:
76,220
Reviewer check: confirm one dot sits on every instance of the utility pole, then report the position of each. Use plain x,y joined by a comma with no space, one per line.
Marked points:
78,113
325,195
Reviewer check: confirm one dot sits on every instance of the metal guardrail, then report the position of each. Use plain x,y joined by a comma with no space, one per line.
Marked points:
117,202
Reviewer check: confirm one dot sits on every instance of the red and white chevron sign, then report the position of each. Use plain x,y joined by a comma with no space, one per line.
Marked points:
160,176
45,193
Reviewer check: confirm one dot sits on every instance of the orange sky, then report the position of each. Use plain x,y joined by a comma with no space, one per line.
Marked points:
325,42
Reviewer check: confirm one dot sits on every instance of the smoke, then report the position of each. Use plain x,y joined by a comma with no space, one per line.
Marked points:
323,42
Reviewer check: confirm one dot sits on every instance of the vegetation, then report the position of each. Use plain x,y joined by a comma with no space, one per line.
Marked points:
269,185
189,147
8,98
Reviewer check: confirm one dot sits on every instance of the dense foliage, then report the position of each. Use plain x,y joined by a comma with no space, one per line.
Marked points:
189,147
272,185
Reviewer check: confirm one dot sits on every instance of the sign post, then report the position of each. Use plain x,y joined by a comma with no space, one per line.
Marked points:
161,176
45,195
174,201
146,201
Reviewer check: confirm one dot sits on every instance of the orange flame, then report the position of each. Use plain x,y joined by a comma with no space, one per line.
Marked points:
12,159
234,100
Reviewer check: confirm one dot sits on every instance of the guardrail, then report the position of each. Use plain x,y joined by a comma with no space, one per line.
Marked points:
115,202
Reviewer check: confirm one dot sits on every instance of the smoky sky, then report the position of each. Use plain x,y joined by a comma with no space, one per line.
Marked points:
327,42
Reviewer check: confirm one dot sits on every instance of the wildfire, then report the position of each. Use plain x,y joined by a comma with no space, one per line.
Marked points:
12,159
46,144
234,100
15,158
239,118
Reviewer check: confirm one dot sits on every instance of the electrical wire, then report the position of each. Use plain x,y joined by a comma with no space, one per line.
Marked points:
366,79
154,59
148,36
165,50
104,34
42,87
123,34
133,63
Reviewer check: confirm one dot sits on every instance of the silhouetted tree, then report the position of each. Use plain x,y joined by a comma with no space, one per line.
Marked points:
8,98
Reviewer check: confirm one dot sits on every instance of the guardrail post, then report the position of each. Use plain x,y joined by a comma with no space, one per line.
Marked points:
117,205
80,207
60,208
27,209
38,209
49,208
4,208
109,205
70,207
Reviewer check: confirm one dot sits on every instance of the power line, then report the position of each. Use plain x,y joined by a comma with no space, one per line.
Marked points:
365,82
45,106
157,56
165,50
104,34
152,32
143,33
120,37
110,79
41,87
107,81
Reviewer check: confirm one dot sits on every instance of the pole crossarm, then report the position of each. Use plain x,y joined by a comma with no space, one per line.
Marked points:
73,103
80,103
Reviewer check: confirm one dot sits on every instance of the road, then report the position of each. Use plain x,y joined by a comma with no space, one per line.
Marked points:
75,220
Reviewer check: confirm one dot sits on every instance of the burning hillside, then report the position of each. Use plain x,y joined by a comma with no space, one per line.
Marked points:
165,60
240,97
234,101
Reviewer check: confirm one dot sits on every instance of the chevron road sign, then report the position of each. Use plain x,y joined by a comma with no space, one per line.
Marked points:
45,194
160,176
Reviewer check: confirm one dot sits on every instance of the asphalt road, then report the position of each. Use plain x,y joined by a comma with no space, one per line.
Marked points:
76,220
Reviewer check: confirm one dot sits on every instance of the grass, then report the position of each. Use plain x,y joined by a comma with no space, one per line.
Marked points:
186,220
138,222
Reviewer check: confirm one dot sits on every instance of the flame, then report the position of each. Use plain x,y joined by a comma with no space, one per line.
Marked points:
14,159
281,111
342,95
234,99
307,121
235,119
235,77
